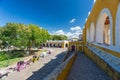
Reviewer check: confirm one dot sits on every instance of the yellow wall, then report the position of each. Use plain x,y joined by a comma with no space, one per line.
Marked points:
78,45
112,5
99,5
62,43
108,69
84,36
63,75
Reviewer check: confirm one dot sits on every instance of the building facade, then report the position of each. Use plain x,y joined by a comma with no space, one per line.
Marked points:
57,43
102,28
101,36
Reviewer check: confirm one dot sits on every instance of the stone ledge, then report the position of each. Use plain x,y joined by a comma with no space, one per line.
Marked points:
60,69
111,60
108,62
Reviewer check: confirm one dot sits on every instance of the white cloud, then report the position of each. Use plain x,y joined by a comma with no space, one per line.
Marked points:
75,36
88,13
68,34
94,1
72,21
85,19
73,33
59,32
76,28
76,31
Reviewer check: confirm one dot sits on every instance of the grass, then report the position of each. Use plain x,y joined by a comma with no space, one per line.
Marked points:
4,63
43,50
11,61
11,55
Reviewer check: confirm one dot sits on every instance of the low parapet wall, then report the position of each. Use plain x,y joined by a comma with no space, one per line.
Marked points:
61,72
109,63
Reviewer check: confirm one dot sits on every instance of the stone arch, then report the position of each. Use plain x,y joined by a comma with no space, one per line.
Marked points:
66,45
118,27
73,48
104,27
92,32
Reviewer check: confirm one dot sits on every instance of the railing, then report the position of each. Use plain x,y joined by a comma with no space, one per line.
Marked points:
59,69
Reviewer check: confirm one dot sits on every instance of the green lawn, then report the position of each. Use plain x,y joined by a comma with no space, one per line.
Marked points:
11,61
43,50
4,62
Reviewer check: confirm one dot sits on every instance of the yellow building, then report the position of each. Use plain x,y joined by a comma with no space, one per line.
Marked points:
101,39
102,28
76,46
57,43
101,35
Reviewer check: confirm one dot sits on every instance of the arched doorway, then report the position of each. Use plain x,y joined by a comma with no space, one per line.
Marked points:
73,48
43,45
53,45
106,31
50,45
92,32
104,27
66,45
118,27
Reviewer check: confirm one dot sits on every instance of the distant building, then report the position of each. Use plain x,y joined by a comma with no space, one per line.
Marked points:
56,43
80,37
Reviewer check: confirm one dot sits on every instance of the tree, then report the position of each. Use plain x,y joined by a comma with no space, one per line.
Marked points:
21,35
58,37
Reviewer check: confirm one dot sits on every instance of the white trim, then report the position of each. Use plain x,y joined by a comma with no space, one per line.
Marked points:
107,11
92,32
113,48
117,33
88,35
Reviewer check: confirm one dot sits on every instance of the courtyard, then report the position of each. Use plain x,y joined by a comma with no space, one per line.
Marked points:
41,68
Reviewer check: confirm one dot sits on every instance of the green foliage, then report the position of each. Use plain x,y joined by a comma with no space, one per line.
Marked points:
23,36
20,36
2,57
58,37
11,61
13,54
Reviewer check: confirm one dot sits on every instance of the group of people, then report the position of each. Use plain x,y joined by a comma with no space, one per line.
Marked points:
23,64
20,65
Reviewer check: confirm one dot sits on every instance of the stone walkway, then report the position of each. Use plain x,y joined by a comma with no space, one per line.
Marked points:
39,69
84,69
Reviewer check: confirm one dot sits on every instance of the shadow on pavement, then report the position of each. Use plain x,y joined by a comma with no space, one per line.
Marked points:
48,67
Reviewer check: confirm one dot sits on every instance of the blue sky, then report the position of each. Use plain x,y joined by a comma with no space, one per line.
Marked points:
57,16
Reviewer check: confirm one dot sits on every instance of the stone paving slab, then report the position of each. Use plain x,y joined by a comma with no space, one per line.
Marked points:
39,69
84,69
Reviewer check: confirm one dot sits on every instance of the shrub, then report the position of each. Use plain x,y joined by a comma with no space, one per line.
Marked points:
12,54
